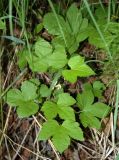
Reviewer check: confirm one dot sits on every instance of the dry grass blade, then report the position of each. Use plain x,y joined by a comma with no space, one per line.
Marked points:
5,127
19,148
16,144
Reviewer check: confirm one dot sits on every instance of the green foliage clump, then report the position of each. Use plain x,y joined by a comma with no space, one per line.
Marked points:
61,54
24,99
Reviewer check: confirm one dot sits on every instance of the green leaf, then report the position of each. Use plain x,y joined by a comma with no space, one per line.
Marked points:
98,88
78,68
101,13
84,99
64,99
27,109
50,109
72,44
74,131
58,59
84,24
42,48
49,129
61,134
44,91
39,61
61,139
74,18
90,114
44,57
70,75
28,90
2,25
51,24
22,58
75,62
88,120
85,71
14,39
35,81
24,99
67,31
87,87
100,109
14,97
82,35
66,113
38,65
97,40
38,28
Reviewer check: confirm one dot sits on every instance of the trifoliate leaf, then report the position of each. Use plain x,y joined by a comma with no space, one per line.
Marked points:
77,63
54,26
98,109
14,97
27,109
44,91
88,120
24,99
90,114
58,59
64,99
50,109
66,113
28,90
84,99
67,31
61,134
49,129
61,139
78,68
44,57
90,111
74,131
